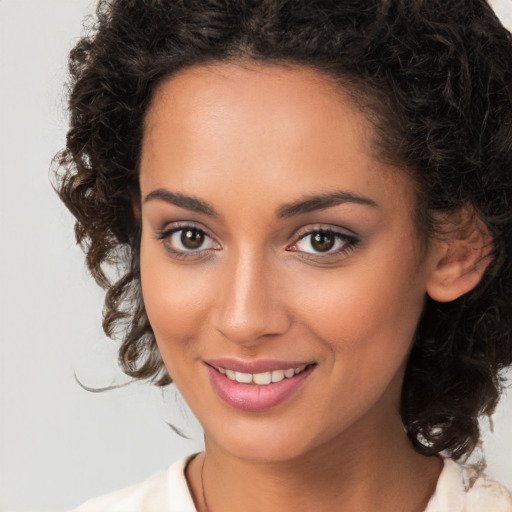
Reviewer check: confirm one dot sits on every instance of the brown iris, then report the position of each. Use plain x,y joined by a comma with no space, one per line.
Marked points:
322,242
192,238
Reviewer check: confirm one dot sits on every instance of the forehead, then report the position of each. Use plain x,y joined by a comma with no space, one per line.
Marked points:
247,83
275,131
260,101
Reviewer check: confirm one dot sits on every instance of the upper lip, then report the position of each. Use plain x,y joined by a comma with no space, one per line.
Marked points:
260,366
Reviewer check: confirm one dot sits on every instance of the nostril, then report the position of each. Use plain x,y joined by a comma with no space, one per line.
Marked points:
255,327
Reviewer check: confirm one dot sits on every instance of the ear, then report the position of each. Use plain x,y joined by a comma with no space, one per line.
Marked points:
137,214
459,257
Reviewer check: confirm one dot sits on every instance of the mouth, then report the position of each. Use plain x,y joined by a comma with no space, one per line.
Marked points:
261,378
267,385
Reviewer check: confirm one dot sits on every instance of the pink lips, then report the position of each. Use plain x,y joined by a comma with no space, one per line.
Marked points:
252,397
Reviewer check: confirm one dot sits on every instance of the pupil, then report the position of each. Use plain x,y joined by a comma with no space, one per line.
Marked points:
323,241
192,239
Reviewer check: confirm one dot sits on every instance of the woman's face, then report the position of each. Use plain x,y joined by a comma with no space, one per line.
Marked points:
272,240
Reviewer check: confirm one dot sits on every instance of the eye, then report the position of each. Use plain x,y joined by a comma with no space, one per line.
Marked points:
322,243
190,239
187,241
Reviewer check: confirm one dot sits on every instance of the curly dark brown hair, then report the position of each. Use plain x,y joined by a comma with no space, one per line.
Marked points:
435,78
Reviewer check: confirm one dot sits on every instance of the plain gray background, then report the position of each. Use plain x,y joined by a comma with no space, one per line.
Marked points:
59,444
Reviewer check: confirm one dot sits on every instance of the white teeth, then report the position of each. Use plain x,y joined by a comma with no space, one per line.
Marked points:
244,378
277,375
261,379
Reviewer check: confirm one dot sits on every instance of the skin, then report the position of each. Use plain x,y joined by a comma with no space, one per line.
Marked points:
248,139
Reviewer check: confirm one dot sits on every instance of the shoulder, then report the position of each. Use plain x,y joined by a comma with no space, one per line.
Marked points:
164,492
462,488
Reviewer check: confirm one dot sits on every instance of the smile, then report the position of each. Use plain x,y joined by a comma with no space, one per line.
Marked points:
261,379
257,390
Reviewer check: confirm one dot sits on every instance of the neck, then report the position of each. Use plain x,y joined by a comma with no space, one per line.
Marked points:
361,470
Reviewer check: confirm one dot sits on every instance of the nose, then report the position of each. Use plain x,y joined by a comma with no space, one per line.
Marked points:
249,305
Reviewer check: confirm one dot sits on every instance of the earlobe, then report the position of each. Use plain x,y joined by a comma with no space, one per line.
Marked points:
458,260
136,210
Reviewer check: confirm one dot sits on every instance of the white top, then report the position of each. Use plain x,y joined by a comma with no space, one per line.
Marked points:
459,489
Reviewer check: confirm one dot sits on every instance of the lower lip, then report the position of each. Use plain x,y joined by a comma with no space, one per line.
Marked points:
253,397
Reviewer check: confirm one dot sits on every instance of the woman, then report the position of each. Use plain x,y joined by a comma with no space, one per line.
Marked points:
309,205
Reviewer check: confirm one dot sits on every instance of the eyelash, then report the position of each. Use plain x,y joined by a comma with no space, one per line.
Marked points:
349,243
165,235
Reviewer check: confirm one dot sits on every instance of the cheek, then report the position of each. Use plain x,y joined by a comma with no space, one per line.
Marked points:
375,305
174,300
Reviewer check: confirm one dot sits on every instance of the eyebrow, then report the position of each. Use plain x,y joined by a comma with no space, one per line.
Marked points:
183,201
322,201
304,205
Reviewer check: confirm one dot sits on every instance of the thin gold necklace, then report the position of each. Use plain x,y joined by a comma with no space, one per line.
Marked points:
207,508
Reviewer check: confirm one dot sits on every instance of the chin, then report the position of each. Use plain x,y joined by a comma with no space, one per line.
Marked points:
268,450
263,443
